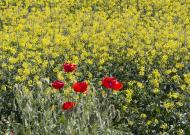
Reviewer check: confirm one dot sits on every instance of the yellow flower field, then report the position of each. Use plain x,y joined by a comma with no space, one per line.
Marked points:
145,44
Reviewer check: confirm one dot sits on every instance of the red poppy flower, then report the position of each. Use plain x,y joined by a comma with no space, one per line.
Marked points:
58,84
69,67
68,105
112,83
108,82
80,87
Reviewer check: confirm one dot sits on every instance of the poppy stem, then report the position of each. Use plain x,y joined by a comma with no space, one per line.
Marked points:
109,92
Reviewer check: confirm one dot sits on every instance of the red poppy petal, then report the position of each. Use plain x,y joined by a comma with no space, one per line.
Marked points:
69,67
68,105
80,86
117,85
108,82
58,84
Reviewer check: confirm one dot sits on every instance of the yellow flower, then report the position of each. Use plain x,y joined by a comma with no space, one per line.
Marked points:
13,60
179,65
179,104
174,95
4,65
56,70
168,105
18,78
89,61
60,76
156,90
187,78
124,108
10,67
156,74
130,122
155,83
142,69
144,116
140,85
164,126
148,122
167,72
36,77
164,58
129,94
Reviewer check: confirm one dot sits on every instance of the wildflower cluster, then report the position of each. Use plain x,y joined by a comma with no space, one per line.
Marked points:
144,43
81,87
